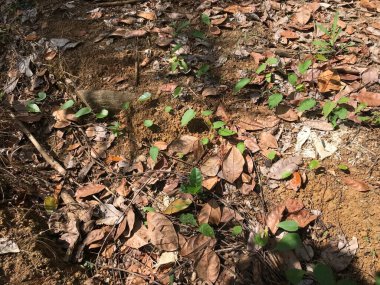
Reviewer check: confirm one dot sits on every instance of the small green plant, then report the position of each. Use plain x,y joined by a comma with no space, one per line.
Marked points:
177,92
206,230
271,61
188,219
294,276
205,140
32,106
218,124
187,117
102,114
261,238
314,164
241,147
115,128
126,106
194,185
205,19
307,104
82,112
148,123
236,230
168,109
224,132
274,100
145,97
202,70
206,113
343,167
286,174
178,64
153,152
271,155
334,110
68,104
181,26
289,226
241,84
289,242
149,209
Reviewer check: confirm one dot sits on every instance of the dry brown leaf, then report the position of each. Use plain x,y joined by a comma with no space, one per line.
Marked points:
267,140
252,145
122,190
168,87
356,184
195,245
274,217
249,124
163,41
219,20
240,9
321,125
127,34
222,113
210,182
372,5
147,15
208,266
328,81
247,188
228,214
210,91
94,236
185,144
211,166
371,75
171,186
286,113
215,30
294,205
128,220
177,205
88,190
289,35
161,231
372,99
233,165
296,181
210,213
303,15
139,238
284,166
303,218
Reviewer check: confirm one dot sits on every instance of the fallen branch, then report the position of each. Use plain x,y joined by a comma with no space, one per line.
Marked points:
118,3
37,145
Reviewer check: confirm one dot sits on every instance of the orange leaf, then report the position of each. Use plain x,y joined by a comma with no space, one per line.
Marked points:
293,205
289,35
88,190
303,218
328,81
372,99
274,218
296,181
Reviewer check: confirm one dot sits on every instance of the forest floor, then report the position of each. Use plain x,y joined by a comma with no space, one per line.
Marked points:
226,142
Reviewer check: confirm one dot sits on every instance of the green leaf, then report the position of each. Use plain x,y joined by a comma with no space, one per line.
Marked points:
33,107
323,28
320,44
41,96
261,239
177,91
286,174
198,34
241,147
261,68
103,113
145,96
168,109
206,113
148,123
360,107
268,77
224,132
294,276
289,242
241,84
148,209
292,78
343,167
195,182
320,57
274,100
271,61
289,226
271,155
236,230
304,66
205,19
187,117
218,124
341,112
206,230
324,275
126,105
205,141
313,164
50,204
343,100
347,282
202,70
68,104
307,104
377,278
83,111
153,152
328,107
182,25
188,219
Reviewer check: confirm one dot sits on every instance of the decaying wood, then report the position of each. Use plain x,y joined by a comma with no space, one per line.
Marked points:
105,99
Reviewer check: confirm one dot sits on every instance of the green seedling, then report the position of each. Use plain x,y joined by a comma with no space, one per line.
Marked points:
82,112
271,155
148,123
261,238
187,117
274,100
194,185
334,110
31,105
178,64
218,124
241,84
198,34
168,109
307,104
177,92
202,70
188,219
343,167
205,141
149,209
289,242
236,230
206,113
241,147
102,114
272,61
126,105
68,104
224,132
314,164
205,19
115,128
181,26
153,152
145,97
206,230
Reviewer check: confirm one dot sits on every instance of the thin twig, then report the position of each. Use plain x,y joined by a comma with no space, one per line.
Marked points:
53,163
118,3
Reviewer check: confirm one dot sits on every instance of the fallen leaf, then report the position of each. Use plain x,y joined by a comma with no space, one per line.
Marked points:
319,125
210,182
167,258
294,205
122,190
249,124
161,231
286,113
251,144
147,15
222,113
139,237
267,140
284,166
228,214
8,246
171,186
328,81
93,236
296,181
247,188
372,99
89,189
211,166
177,205
195,245
219,20
185,144
372,5
274,217
208,266
302,217
111,215
371,75
127,34
210,213
289,35
129,219
233,165
168,87
240,9
356,184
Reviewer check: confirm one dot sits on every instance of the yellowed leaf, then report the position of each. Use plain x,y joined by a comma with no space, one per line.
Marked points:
177,206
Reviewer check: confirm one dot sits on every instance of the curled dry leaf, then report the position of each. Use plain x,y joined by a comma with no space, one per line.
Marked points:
319,125
167,258
210,182
171,186
372,99
303,218
328,81
139,237
294,205
286,113
289,35
161,145
122,190
210,213
233,165
112,216
196,245
356,184
296,181
371,75
185,144
211,166
267,140
128,220
284,166
147,15
208,266
274,217
89,189
161,231
210,91
252,145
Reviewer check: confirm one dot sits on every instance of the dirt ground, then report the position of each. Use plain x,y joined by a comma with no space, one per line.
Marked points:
110,64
